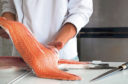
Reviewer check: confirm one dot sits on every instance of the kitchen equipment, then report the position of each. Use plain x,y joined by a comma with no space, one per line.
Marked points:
120,68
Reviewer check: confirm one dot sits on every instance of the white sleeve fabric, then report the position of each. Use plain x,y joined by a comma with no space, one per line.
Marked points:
7,6
79,12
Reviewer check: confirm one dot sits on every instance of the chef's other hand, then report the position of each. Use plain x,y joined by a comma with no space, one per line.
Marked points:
3,34
9,16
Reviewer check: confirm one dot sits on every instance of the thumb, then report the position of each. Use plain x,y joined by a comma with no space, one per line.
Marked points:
59,45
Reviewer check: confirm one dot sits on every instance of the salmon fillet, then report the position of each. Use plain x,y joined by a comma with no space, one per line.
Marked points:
43,60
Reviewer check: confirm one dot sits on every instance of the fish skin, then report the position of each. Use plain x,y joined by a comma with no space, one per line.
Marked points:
43,60
64,61
7,62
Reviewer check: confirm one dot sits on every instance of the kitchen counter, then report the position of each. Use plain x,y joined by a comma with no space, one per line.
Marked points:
24,77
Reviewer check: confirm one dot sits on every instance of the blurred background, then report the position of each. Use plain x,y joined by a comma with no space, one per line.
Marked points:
104,38
110,20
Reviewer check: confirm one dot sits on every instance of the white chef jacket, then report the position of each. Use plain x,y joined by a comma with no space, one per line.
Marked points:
44,18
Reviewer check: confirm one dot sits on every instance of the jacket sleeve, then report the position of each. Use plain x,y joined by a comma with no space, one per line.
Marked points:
79,12
7,6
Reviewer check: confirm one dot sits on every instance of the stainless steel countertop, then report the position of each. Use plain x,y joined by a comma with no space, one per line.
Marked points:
24,77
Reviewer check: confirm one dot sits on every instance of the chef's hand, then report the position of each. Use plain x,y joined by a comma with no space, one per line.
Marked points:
9,16
3,34
57,45
67,32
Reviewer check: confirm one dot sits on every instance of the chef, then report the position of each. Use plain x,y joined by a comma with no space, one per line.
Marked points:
52,22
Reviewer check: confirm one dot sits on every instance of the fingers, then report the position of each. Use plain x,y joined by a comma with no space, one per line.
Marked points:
1,31
58,45
3,34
